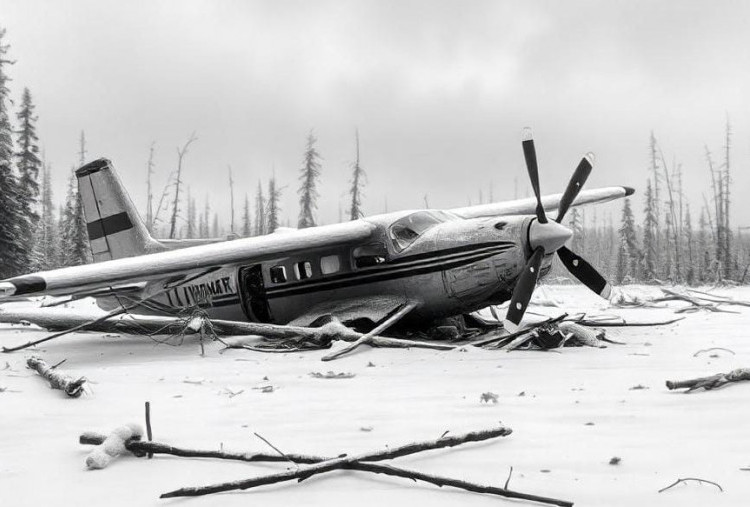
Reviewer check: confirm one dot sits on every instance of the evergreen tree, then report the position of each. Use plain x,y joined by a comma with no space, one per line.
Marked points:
627,254
13,256
191,216
273,207
703,250
308,195
358,176
28,164
650,231
215,232
576,225
74,240
247,229
687,232
45,254
260,212
204,230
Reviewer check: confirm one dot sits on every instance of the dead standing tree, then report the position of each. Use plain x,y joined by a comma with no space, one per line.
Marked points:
181,152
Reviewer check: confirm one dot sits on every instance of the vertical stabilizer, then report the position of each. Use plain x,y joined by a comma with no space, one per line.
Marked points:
115,228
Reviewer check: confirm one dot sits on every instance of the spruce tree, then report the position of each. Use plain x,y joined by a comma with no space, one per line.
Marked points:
260,212
687,232
247,228
72,243
650,231
703,250
13,256
309,174
358,177
576,225
273,206
28,164
45,254
627,254
191,216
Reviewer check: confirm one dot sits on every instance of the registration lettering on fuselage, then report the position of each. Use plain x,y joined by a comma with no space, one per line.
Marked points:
204,293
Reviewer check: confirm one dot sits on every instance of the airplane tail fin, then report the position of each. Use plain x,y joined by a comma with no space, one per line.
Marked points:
115,228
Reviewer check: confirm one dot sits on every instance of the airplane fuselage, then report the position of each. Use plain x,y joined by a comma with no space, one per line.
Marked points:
456,266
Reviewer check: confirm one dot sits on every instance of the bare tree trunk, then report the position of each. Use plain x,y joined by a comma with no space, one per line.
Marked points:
178,182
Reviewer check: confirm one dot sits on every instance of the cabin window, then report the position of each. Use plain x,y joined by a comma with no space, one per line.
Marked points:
278,274
406,230
303,270
330,264
369,255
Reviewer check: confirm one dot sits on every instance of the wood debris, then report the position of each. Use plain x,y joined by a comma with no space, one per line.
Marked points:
712,382
57,379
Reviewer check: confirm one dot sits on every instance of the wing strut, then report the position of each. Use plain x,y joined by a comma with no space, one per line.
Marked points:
405,309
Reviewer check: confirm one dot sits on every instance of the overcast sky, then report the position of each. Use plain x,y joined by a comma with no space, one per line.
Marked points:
439,90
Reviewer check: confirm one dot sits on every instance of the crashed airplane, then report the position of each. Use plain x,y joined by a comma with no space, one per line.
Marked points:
408,266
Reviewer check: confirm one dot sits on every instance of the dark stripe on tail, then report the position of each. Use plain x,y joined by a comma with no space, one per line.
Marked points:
109,225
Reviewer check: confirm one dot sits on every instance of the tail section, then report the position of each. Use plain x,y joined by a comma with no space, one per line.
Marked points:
115,228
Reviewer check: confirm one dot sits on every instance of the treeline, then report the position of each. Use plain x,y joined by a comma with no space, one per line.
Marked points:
669,245
33,235
261,214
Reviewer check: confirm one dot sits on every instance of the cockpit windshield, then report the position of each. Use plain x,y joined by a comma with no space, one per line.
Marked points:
406,230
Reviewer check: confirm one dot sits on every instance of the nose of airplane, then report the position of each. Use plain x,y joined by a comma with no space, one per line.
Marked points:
549,236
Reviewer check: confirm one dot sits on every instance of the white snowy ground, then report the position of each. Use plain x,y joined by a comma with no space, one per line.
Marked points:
578,411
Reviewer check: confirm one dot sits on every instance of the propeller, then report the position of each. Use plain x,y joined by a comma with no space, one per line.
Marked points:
548,237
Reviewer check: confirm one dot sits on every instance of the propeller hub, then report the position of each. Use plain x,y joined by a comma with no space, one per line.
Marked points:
549,236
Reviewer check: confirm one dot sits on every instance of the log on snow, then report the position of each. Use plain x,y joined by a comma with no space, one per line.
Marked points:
57,379
712,382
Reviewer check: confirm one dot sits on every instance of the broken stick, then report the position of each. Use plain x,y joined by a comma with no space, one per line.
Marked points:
339,463
712,382
140,448
369,336
57,379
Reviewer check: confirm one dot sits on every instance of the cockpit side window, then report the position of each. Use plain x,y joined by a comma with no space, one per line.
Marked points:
405,231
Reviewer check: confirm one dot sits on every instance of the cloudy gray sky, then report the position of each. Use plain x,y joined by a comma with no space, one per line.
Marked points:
439,90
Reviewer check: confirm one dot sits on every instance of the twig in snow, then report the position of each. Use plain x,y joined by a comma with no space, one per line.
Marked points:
713,348
148,426
686,479
507,481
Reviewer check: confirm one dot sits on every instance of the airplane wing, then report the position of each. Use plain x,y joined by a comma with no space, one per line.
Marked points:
550,202
175,263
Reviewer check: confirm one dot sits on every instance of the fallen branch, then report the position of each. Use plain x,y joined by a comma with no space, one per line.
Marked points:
339,463
508,337
712,382
684,481
367,338
112,446
57,380
624,323
140,448
713,348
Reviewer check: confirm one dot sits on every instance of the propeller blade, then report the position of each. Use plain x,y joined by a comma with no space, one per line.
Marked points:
523,290
529,153
575,185
585,272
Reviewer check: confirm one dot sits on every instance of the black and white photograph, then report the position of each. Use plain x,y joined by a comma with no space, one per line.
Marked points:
374,252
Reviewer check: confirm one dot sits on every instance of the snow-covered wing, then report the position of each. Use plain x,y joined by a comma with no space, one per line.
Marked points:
178,262
550,202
